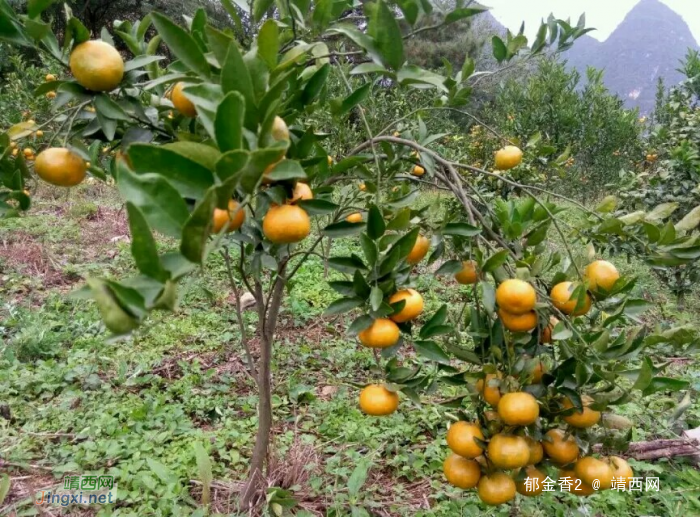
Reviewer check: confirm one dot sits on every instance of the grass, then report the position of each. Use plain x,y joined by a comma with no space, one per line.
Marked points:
80,404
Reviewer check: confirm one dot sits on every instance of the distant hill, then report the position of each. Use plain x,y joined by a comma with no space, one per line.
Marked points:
648,44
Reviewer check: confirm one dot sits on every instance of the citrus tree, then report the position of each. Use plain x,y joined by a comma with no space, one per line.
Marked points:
217,153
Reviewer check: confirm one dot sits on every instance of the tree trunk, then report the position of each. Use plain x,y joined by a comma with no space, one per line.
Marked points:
262,439
267,313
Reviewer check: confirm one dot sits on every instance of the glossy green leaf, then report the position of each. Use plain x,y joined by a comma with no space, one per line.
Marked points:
182,44
158,200
143,245
228,124
189,178
195,233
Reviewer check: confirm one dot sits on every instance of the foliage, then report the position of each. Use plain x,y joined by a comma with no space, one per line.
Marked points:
670,188
600,134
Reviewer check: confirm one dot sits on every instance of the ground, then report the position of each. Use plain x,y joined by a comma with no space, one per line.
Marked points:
75,402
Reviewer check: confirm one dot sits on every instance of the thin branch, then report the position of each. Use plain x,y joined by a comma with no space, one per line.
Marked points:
239,312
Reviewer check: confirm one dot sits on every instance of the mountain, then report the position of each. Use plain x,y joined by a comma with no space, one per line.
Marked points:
648,44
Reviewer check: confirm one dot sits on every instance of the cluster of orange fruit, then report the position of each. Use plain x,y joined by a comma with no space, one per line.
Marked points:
378,399
505,451
652,157
513,450
97,66
283,224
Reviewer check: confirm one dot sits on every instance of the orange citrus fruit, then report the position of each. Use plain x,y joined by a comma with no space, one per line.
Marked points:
490,393
536,486
418,170
232,218
286,224
508,451
182,103
536,451
561,298
508,157
461,472
382,333
50,77
97,66
376,400
518,408
419,250
560,447
468,275
601,274
354,218
280,131
60,166
581,419
589,469
621,469
460,439
301,192
362,187
518,322
546,336
516,296
411,309
496,488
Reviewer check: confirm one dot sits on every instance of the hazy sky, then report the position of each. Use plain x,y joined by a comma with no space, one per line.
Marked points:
604,15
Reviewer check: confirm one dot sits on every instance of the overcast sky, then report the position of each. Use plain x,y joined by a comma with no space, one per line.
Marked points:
604,15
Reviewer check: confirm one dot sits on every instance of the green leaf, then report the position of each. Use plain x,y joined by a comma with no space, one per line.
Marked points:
646,373
495,261
260,7
369,248
353,99
4,487
431,350
343,228
436,320
343,305
665,384
157,199
315,85
35,8
318,206
376,298
360,324
323,13
346,264
196,230
143,245
228,124
287,170
205,470
488,295
236,78
461,230
468,68
182,44
460,14
106,106
387,36
450,267
188,177
160,470
375,223
358,477
500,52
141,61
690,221
268,43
